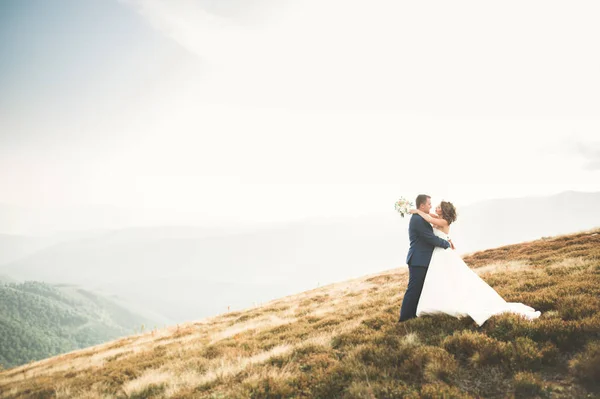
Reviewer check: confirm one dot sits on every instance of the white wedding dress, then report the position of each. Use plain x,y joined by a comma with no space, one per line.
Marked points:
451,287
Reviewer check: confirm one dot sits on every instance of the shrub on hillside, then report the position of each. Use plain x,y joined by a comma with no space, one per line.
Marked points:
434,329
333,383
524,354
383,356
353,338
391,389
434,391
567,335
428,364
528,385
484,381
585,366
506,327
542,300
212,352
476,348
268,387
375,323
151,391
577,307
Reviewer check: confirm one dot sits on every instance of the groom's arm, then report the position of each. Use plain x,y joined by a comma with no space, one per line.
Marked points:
429,237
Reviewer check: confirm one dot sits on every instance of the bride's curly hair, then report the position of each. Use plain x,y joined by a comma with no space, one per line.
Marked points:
448,212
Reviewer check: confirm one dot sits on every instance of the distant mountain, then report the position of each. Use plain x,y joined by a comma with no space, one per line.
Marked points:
499,222
4,279
87,220
23,219
16,246
185,273
38,320
13,247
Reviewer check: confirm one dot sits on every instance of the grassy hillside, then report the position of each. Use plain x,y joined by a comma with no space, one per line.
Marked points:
342,341
38,320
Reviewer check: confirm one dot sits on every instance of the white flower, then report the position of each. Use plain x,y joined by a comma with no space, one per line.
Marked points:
403,206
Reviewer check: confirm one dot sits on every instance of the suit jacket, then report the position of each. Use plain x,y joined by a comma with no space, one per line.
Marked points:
422,242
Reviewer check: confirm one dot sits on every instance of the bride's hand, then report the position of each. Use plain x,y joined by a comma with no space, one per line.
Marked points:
413,211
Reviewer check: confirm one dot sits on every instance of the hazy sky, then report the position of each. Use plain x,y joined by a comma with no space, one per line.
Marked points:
275,110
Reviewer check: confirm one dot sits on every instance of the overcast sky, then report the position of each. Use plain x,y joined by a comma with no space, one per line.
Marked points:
248,110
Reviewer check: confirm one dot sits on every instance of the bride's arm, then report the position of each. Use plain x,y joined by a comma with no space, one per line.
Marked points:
438,221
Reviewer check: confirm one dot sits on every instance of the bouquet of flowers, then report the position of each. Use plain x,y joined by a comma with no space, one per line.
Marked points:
403,206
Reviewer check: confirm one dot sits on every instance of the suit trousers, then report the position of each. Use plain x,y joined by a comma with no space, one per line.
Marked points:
416,279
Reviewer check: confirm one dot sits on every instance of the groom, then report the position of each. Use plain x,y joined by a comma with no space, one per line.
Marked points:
422,242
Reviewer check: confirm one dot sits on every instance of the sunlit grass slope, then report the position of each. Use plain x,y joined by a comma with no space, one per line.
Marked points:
342,341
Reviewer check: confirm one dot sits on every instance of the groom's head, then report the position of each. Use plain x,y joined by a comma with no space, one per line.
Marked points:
423,203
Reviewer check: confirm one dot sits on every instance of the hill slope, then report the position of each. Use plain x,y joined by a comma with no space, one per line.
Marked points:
343,341
38,320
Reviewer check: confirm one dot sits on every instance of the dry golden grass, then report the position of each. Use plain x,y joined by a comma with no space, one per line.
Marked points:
541,252
342,340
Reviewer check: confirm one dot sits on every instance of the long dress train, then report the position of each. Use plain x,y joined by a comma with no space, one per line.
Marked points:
451,287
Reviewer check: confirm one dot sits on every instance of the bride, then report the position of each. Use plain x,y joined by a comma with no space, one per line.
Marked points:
451,287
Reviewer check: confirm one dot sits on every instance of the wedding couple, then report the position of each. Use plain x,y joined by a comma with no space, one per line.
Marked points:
439,280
